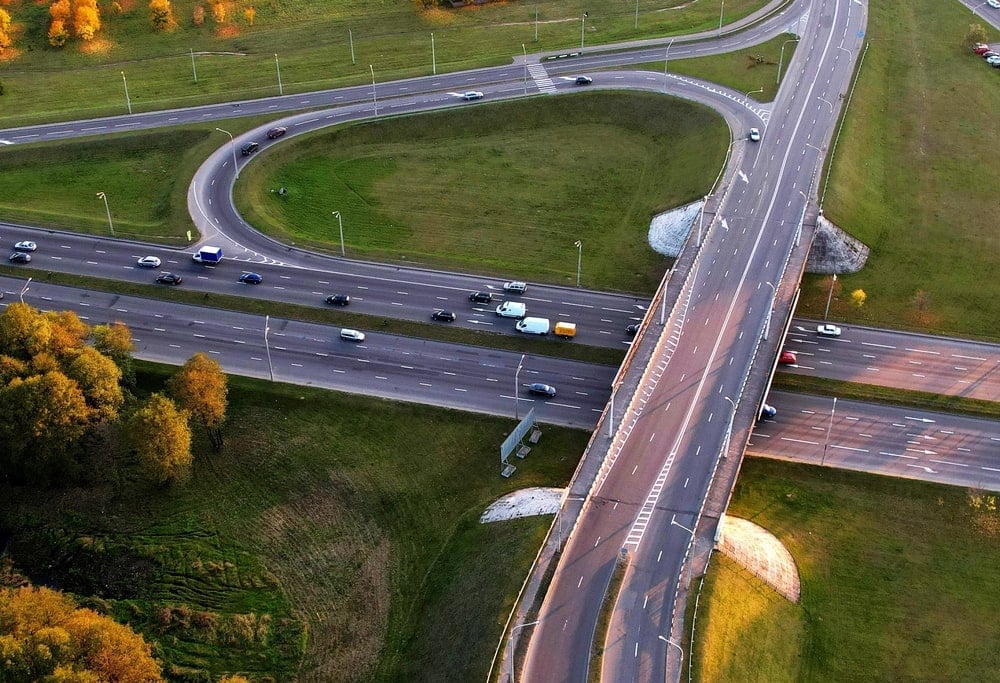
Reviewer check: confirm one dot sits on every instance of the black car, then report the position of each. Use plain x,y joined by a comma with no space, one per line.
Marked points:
249,148
481,297
251,278
584,80
20,257
632,329
445,316
168,279
539,389
276,132
338,299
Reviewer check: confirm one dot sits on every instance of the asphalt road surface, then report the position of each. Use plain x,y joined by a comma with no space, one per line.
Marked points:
881,439
920,362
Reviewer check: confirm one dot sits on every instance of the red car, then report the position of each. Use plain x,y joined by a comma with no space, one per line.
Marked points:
981,48
788,358
276,132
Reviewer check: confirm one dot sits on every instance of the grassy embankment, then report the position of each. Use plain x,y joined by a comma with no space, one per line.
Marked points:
312,43
914,178
898,582
340,527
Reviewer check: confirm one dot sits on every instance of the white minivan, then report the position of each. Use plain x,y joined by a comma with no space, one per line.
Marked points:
533,326
512,309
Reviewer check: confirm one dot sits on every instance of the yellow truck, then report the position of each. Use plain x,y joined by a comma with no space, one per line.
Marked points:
565,330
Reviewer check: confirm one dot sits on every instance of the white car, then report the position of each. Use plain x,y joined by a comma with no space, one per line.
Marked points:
148,262
352,335
472,95
25,246
994,60
754,135
515,287
995,4
828,330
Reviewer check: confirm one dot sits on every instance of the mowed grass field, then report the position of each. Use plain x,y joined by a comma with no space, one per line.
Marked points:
504,189
915,177
334,538
309,41
898,583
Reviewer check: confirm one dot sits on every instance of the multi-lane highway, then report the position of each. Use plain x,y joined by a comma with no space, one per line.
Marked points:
898,359
649,495
889,440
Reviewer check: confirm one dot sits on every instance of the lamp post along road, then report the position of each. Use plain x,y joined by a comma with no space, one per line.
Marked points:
194,71
829,297
510,644
340,222
829,428
434,68
24,290
517,385
754,92
721,10
579,259
128,101
232,145
666,60
777,79
277,68
374,98
101,195
583,28
679,649
524,51
770,309
267,347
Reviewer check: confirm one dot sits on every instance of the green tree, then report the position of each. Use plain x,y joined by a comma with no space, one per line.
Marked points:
976,34
161,15
45,416
160,434
44,636
201,387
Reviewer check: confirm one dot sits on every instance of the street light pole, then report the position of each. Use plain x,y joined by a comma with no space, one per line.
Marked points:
777,79
583,28
267,328
193,69
579,260
829,429
101,195
340,222
721,10
670,642
829,297
752,92
128,102
666,60
525,52
434,67
24,290
374,98
510,645
729,429
277,68
770,309
517,386
232,144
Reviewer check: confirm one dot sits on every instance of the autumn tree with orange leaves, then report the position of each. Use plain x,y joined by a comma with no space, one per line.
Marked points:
5,39
200,387
86,19
44,636
54,390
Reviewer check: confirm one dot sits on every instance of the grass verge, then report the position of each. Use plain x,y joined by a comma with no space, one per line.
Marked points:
501,189
315,45
333,538
823,386
898,579
916,179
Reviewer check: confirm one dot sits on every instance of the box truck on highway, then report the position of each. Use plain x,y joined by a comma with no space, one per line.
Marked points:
208,255
565,330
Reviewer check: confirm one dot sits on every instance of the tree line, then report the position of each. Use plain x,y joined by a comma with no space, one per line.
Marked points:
64,383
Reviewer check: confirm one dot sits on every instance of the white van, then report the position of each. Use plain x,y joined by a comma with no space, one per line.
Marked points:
533,326
512,309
